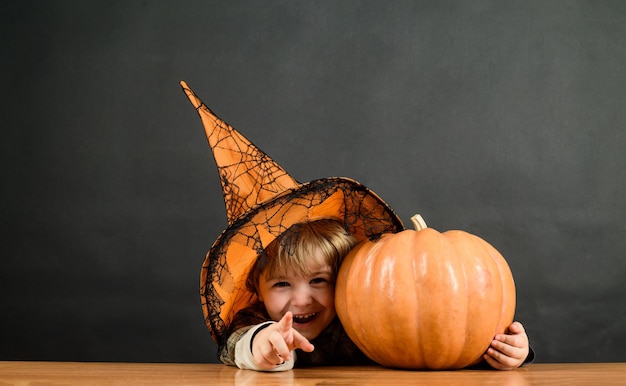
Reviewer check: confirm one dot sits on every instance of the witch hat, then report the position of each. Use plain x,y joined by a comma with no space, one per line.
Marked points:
262,201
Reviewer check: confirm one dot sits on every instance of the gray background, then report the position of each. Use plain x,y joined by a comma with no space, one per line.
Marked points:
505,119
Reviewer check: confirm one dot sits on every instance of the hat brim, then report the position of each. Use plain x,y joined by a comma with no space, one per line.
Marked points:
227,264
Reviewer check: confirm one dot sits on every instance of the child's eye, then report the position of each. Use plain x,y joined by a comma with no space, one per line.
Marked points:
281,284
319,280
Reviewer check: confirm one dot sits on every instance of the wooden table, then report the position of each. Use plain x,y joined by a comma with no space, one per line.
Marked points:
71,373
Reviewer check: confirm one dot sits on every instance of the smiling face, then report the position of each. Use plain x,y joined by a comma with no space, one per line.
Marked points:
309,296
297,271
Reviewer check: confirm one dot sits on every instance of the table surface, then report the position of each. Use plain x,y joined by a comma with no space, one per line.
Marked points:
90,373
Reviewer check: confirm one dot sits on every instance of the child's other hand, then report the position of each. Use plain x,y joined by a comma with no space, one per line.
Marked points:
272,346
508,351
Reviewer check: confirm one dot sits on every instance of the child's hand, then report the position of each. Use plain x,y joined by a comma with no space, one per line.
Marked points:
272,346
508,351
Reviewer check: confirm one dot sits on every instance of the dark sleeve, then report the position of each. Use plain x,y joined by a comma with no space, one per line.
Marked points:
333,347
531,356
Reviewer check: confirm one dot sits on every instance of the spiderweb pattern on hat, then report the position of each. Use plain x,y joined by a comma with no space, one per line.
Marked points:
262,201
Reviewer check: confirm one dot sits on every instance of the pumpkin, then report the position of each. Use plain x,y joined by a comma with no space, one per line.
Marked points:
421,299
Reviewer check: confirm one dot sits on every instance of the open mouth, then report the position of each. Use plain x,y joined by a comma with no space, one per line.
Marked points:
304,318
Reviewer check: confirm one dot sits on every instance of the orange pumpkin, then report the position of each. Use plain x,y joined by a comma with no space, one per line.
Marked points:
420,299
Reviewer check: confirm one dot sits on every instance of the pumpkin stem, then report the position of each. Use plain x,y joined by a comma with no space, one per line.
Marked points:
418,222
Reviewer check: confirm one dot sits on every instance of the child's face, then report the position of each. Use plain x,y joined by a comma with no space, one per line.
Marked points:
310,298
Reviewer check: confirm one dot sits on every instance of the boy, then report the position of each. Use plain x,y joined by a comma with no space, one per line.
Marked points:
268,281
294,280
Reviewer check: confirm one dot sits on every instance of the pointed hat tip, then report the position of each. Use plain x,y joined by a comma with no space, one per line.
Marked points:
193,98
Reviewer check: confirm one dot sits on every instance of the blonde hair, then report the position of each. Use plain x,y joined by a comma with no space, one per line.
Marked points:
297,246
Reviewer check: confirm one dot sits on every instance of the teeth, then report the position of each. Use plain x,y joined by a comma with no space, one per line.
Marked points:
303,316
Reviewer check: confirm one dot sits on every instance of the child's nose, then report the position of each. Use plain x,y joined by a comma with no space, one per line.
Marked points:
301,297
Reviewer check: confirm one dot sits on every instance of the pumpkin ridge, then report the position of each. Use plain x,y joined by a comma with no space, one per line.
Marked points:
420,342
457,309
458,361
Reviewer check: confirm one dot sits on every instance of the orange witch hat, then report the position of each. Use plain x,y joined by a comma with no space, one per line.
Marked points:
262,201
